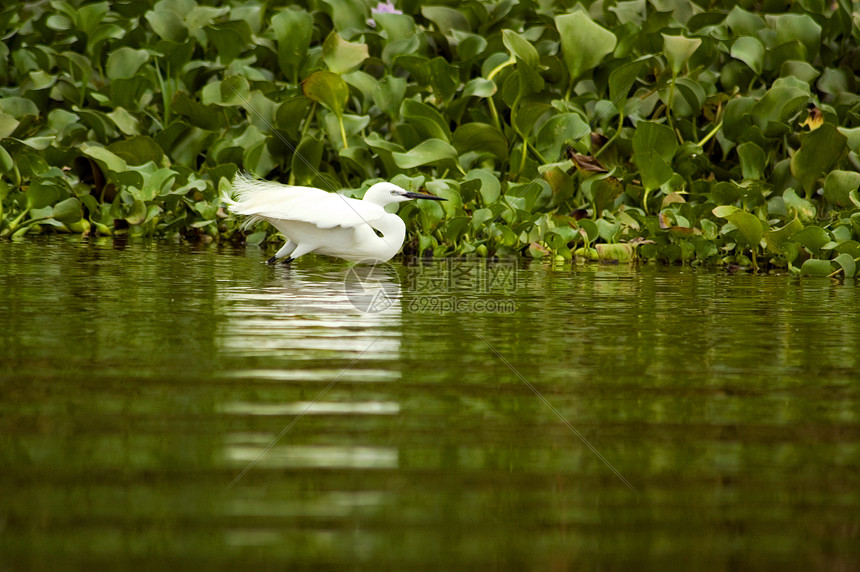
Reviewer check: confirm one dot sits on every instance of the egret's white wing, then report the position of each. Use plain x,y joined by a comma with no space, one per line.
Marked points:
267,199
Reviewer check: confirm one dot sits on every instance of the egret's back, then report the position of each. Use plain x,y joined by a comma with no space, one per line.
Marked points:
267,200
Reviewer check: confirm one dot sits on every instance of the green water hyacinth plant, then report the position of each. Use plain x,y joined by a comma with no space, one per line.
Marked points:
706,133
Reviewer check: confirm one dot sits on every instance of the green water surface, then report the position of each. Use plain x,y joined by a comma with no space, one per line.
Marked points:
179,406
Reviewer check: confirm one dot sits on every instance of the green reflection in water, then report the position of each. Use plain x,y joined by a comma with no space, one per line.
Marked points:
138,381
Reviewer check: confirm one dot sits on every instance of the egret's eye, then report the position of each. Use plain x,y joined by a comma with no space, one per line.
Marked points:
393,193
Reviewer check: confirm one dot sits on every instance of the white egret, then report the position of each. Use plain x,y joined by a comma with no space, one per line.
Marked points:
317,221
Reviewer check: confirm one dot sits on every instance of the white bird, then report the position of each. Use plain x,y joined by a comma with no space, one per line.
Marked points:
316,221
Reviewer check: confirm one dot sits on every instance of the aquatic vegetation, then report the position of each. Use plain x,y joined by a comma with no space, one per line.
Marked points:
677,131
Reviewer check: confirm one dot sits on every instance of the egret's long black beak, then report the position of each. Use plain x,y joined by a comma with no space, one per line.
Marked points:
423,196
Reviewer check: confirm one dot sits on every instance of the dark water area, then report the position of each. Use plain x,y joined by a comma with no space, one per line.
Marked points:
164,404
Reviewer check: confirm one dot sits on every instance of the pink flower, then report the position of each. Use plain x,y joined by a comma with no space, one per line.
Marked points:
386,7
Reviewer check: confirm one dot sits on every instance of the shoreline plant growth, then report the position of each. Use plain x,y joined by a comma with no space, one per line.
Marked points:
718,133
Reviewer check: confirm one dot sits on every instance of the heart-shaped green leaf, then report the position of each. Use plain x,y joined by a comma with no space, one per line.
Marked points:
678,50
482,138
584,43
432,151
819,151
327,88
654,145
341,56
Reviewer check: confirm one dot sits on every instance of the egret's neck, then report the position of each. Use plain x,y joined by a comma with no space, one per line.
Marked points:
393,231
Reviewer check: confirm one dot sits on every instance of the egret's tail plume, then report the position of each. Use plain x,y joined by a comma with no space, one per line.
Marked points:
245,186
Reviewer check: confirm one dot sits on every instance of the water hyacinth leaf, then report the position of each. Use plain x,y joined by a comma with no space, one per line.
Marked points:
605,190
566,235
137,213
480,87
480,216
6,161
490,188
437,74
801,70
790,251
431,213
775,239
38,143
341,56
851,247
446,19
744,23
561,131
348,14
538,251
571,130
839,185
622,78
584,43
753,160
306,160
480,137
615,252
737,120
819,151
853,136
18,107
678,50
229,38
846,261
778,105
137,150
125,121
749,50
654,145
608,231
794,27
749,225
395,25
41,194
443,78
591,229
68,211
327,88
105,158
432,151
168,25
41,80
520,48
469,46
801,208
8,125
816,267
388,94
293,30
690,96
812,237
125,62
428,122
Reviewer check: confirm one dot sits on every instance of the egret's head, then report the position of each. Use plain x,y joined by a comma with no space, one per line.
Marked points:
387,193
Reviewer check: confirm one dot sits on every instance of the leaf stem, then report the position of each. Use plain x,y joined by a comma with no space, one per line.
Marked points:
500,67
494,113
711,134
342,131
841,269
614,135
669,107
525,152
308,122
